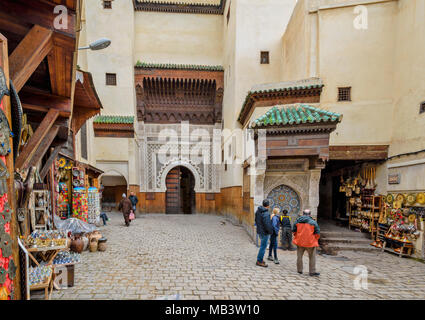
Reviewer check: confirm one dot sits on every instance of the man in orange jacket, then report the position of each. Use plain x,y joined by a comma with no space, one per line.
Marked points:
306,237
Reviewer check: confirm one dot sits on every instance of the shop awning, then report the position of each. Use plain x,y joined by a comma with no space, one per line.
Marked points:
86,101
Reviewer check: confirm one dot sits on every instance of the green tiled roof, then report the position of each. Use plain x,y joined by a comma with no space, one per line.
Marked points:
295,114
310,83
114,119
178,66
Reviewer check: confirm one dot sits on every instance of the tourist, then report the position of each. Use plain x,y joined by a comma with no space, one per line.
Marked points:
264,230
273,237
134,201
306,237
125,206
104,218
286,235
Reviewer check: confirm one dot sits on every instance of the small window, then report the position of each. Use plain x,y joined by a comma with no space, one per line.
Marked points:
111,79
422,107
344,94
265,59
107,4
228,13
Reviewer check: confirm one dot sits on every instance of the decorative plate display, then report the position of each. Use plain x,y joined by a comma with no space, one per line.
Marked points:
420,198
389,198
411,199
400,198
285,198
397,204
412,218
62,162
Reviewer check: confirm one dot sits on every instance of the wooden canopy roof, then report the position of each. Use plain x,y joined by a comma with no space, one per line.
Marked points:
42,60
86,101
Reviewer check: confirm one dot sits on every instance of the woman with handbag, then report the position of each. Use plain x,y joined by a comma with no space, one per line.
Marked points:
126,207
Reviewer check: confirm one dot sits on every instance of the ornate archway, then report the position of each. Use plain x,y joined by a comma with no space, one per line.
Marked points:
166,169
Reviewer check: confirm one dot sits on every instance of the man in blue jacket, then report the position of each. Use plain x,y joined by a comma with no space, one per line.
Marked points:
264,230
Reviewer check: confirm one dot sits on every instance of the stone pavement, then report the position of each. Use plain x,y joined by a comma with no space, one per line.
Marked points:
200,257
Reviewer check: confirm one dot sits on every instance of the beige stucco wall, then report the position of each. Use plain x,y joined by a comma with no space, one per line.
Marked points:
253,27
409,79
116,24
162,37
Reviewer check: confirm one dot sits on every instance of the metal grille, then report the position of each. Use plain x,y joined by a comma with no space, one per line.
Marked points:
107,4
344,94
111,79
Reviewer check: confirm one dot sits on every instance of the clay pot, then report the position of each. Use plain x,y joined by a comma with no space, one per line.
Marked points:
93,245
86,243
101,244
77,244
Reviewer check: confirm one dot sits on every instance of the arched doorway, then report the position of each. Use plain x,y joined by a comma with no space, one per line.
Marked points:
114,185
285,198
180,194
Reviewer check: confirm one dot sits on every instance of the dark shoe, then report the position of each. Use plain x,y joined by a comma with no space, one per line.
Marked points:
262,264
316,274
300,272
284,249
292,249
270,258
276,261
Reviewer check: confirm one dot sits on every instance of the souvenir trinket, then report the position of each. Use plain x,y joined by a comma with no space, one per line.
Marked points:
2,275
5,134
3,85
420,198
411,199
7,212
5,244
4,175
12,269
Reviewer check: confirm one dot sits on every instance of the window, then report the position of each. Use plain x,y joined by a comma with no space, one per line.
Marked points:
422,107
111,79
265,57
107,4
344,94
246,189
84,151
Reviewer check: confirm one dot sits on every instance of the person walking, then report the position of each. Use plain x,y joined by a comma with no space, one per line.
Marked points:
306,237
125,206
286,235
273,237
134,201
264,230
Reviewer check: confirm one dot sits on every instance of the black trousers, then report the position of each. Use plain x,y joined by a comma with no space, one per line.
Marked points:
286,238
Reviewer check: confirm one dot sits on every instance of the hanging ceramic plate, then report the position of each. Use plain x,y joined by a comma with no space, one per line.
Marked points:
62,162
412,218
390,198
411,199
420,198
400,198
397,204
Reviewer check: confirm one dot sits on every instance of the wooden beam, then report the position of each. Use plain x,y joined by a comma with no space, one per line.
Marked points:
43,102
28,55
44,146
49,162
27,153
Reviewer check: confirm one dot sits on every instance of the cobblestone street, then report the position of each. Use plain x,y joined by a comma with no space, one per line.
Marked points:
199,257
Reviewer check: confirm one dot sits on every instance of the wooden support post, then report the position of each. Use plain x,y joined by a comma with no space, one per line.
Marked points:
4,63
34,142
49,162
44,146
28,55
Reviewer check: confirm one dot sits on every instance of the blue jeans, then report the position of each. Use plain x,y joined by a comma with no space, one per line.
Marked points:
104,218
263,247
273,246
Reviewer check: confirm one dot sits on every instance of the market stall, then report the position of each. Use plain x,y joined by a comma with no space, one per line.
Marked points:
401,224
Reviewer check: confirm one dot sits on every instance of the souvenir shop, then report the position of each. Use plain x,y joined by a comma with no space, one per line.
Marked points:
351,197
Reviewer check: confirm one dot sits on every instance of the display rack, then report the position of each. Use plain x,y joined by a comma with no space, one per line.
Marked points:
370,210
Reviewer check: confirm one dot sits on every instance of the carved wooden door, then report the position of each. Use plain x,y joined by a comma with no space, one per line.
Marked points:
173,191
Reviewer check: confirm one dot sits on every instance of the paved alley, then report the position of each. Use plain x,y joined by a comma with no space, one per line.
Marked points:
207,257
